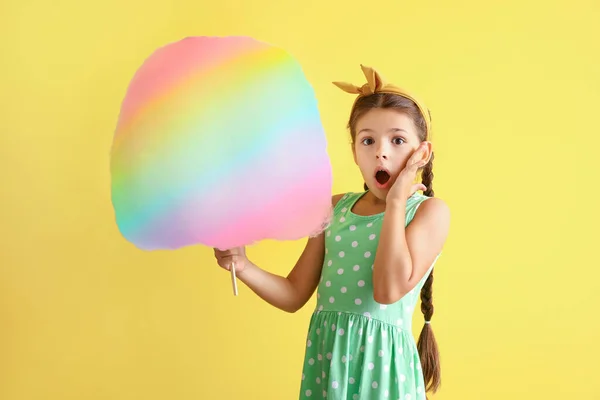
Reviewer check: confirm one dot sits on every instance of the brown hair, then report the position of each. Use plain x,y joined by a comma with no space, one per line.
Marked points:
426,345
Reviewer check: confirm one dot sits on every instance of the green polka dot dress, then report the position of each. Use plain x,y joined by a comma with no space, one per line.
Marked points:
357,348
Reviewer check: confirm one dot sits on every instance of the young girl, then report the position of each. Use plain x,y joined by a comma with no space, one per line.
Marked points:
371,262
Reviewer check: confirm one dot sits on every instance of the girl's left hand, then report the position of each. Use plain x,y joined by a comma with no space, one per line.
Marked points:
404,186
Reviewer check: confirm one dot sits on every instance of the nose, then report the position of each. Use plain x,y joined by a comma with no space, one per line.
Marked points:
382,152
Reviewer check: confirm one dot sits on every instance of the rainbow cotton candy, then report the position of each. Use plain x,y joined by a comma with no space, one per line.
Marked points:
219,142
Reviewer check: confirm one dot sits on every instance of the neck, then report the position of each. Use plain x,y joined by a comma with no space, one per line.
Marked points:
374,200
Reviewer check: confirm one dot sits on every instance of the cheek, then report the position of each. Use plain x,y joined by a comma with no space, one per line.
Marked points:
360,155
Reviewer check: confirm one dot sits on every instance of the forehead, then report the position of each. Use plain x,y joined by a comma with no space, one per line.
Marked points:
381,120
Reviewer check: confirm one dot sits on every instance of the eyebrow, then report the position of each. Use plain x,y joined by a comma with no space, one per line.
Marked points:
389,130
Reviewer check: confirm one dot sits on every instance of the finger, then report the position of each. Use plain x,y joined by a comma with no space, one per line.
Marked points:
415,159
228,261
417,187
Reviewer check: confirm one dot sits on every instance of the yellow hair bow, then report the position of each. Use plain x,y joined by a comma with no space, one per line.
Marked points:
376,84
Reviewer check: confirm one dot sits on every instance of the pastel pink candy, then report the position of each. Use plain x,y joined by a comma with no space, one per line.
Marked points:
219,142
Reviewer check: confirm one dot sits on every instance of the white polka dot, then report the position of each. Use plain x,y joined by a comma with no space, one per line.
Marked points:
380,353
308,393
324,394
326,251
341,332
367,254
370,224
318,380
358,302
331,299
343,289
340,271
412,364
311,361
308,343
386,393
328,233
341,254
362,349
352,227
328,283
342,219
371,366
338,238
344,209
320,357
321,307
356,267
408,396
335,385
351,357
418,367
399,322
329,356
386,368
374,384
370,339
318,331
355,397
367,314
419,389
372,236
332,327
303,377
323,375
400,350
354,244
402,378
382,306
361,283
351,380
329,263
318,295
344,359
384,334
360,331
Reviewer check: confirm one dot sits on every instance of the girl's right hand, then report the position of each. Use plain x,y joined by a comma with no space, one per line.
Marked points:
236,255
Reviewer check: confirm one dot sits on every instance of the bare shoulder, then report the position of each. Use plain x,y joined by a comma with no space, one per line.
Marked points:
434,207
434,215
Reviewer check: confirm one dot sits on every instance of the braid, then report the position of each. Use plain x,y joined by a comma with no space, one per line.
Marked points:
427,177
427,345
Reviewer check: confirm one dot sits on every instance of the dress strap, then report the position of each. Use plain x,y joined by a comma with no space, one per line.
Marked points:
346,202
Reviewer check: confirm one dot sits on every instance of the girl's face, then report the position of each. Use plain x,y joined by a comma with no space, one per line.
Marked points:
385,140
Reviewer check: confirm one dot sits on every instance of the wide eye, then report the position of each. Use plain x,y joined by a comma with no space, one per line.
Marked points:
398,140
367,141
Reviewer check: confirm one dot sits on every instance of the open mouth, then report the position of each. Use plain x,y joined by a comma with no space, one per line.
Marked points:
382,177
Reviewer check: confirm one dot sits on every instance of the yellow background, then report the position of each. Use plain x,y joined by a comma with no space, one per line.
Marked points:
514,89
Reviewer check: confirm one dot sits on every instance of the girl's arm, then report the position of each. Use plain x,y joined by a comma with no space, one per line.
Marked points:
405,254
290,293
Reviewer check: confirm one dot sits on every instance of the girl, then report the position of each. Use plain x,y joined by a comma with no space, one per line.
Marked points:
371,262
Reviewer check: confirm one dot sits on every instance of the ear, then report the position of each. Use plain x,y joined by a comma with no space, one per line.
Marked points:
427,151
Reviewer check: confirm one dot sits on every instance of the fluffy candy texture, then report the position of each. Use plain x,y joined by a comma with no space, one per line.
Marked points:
219,142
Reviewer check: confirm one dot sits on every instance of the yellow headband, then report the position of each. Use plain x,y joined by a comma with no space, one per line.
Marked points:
376,84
